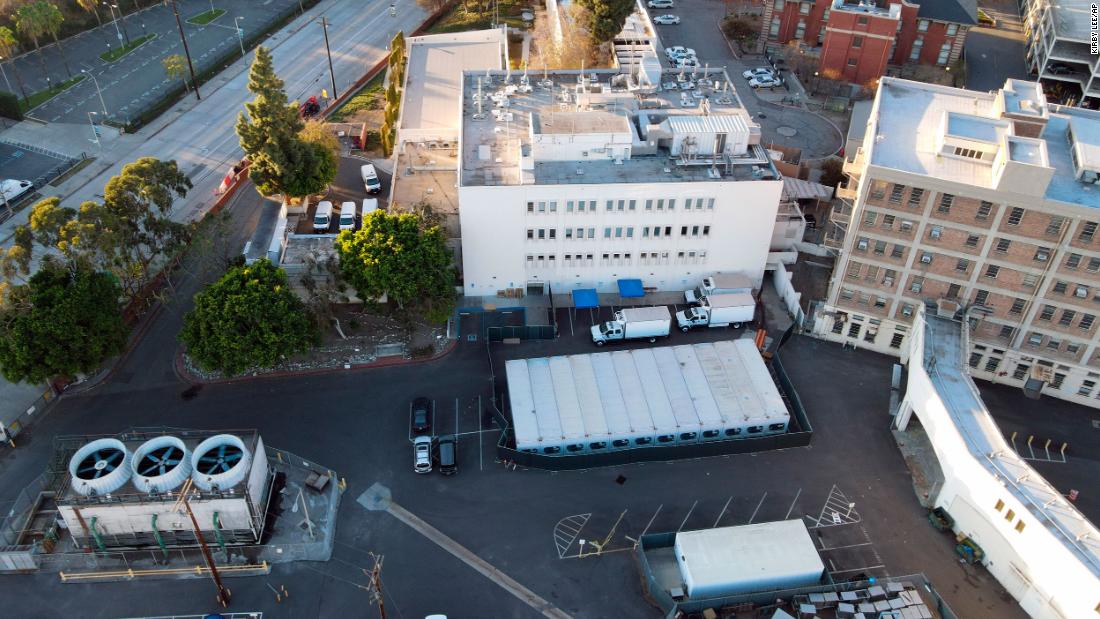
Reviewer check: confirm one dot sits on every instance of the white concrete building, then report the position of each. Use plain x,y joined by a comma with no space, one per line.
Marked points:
1060,45
1037,545
581,180
988,200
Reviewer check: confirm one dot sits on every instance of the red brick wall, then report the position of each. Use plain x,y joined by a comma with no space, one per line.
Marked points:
871,57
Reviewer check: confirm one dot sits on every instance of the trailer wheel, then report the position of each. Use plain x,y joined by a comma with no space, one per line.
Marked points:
736,325
652,339
600,343
685,329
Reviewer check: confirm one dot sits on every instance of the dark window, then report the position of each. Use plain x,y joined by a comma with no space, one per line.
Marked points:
756,429
777,427
620,442
688,436
597,445
665,438
645,440
576,447
733,431
710,433
551,450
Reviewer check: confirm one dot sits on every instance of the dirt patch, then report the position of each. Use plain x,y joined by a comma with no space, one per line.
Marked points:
369,337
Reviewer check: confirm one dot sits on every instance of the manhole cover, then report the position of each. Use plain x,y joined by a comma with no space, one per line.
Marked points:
788,132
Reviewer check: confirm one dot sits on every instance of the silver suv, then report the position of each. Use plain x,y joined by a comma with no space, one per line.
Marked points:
422,454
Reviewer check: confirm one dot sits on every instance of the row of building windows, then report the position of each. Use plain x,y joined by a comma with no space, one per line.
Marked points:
617,232
870,334
687,256
621,205
1056,224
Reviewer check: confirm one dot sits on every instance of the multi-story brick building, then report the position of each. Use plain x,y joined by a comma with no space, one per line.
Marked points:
988,200
858,40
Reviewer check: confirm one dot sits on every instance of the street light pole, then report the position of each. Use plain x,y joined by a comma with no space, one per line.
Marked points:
118,19
95,134
328,52
240,35
186,52
114,20
98,91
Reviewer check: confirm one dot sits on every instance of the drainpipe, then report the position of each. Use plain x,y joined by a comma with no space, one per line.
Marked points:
218,534
96,536
160,540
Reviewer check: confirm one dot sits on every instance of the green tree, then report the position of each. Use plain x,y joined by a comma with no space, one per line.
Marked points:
8,45
399,256
30,21
739,29
62,322
606,17
281,162
248,319
832,171
51,23
130,234
175,67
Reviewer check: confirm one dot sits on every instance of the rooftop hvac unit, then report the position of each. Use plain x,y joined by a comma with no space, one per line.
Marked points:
220,462
160,464
100,467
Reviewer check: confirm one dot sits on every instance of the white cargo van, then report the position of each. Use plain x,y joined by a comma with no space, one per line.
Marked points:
370,179
370,205
322,218
347,216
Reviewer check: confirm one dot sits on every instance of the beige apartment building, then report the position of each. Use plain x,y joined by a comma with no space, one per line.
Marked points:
989,201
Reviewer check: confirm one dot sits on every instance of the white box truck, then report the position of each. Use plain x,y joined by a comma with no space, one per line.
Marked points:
632,323
322,217
721,283
718,310
370,179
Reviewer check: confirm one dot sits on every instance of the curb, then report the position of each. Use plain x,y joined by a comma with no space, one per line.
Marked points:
191,379
718,24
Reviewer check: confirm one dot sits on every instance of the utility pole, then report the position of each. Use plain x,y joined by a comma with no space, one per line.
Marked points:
186,51
375,586
223,593
331,74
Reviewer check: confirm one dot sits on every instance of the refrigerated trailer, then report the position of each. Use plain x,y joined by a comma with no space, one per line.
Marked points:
633,323
646,397
718,310
721,283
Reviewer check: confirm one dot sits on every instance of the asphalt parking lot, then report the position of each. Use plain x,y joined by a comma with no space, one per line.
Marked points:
851,485
22,164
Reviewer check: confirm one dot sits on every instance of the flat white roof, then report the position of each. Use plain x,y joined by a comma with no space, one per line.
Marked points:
656,312
731,299
945,361
750,553
433,77
908,117
641,392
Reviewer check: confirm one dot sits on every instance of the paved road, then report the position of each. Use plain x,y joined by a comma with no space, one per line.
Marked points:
203,139
814,135
996,54
137,80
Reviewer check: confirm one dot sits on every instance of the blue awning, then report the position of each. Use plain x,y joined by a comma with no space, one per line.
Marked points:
585,298
631,288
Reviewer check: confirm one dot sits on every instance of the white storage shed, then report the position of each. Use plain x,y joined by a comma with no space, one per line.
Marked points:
749,558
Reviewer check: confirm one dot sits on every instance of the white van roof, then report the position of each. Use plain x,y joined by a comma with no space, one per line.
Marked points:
369,206
368,171
324,207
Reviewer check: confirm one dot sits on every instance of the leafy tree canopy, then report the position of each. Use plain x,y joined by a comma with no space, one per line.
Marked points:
397,255
606,17
62,322
249,318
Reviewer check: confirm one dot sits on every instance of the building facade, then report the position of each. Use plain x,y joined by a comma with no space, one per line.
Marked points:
987,200
583,179
857,41
1060,47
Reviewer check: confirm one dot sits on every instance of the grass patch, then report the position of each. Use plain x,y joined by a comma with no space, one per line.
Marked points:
119,52
43,96
459,20
205,17
370,97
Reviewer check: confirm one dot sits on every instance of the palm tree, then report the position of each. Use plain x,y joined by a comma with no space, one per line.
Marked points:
89,6
28,19
8,45
51,23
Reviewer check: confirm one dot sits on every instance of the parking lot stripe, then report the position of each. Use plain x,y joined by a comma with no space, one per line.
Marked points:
757,507
723,512
650,523
486,569
681,527
797,494
857,569
480,450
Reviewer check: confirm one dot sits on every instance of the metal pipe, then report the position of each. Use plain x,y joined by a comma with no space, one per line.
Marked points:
159,538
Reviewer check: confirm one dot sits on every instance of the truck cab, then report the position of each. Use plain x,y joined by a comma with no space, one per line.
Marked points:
606,332
692,317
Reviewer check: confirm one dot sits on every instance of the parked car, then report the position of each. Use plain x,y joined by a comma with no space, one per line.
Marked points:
678,50
686,63
15,189
811,221
347,216
322,217
666,20
758,72
370,179
660,4
422,454
421,416
448,459
764,82
1058,69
